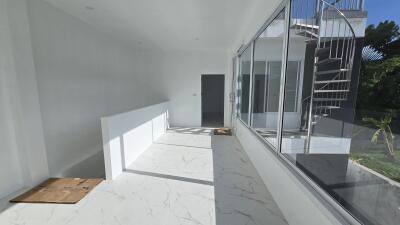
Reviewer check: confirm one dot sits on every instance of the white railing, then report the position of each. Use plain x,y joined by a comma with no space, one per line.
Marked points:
347,4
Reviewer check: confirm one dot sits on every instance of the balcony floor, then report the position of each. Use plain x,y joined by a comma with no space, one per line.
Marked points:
187,177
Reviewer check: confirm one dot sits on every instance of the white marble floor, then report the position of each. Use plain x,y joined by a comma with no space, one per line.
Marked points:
187,177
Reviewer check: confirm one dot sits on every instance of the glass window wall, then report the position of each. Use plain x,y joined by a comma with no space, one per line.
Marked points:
341,107
342,134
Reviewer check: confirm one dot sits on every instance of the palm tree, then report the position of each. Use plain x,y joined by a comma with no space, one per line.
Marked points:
384,131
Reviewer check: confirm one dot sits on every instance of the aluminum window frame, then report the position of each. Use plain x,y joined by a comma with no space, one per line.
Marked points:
239,55
251,44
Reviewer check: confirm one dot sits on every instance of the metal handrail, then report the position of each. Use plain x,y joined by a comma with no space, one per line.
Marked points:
353,4
341,14
347,22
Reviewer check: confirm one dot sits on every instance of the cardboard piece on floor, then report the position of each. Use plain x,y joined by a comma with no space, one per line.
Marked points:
59,191
223,131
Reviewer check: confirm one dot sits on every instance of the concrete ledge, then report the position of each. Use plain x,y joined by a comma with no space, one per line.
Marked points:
297,203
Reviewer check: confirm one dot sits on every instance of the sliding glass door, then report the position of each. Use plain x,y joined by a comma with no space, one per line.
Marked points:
268,52
244,84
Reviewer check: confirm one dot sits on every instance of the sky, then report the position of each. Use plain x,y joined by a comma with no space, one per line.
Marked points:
381,10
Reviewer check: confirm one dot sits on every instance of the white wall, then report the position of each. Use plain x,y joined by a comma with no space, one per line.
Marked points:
178,77
23,154
82,75
296,202
129,134
11,179
255,17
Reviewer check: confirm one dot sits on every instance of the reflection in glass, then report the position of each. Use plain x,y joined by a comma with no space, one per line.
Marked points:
330,118
244,84
267,76
236,94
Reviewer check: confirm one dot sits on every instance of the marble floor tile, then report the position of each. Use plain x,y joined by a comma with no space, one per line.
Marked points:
176,160
187,177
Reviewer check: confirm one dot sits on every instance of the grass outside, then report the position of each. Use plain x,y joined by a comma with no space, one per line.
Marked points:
378,161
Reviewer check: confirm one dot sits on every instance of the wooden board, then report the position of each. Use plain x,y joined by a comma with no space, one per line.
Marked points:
223,131
59,190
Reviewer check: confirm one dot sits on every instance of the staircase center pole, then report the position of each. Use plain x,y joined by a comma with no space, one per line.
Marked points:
310,116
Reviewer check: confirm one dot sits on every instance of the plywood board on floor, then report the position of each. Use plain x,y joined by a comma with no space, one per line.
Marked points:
59,190
223,131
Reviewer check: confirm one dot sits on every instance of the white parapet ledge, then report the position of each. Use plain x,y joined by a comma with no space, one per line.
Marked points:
129,134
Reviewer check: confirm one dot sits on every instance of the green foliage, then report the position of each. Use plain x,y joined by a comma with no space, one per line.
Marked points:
379,87
384,131
379,92
382,37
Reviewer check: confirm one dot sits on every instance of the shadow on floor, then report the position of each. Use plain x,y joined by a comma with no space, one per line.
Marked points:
171,177
191,179
5,202
240,196
196,131
4,205
189,146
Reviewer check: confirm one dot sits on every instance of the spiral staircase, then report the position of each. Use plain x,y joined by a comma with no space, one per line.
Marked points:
324,24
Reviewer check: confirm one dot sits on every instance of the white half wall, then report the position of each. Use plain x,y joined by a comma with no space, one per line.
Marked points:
129,134
83,74
296,202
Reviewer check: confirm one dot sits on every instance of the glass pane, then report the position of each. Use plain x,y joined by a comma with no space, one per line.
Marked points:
292,86
267,76
244,84
342,126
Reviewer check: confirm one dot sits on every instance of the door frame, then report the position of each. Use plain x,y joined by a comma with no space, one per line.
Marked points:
201,97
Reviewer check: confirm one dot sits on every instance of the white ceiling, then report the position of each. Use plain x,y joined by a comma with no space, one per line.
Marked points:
167,24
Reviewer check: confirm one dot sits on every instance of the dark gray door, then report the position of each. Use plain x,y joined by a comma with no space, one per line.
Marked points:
212,100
